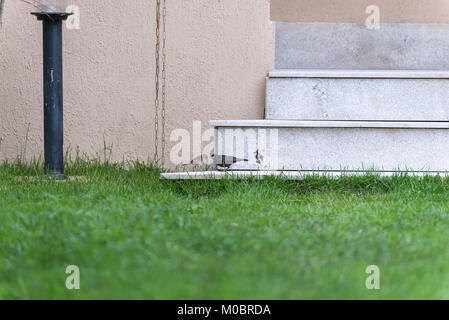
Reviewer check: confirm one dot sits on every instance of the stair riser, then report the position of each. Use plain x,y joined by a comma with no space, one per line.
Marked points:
354,46
357,99
336,148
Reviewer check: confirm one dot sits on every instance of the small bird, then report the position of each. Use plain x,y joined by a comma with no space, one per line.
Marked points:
226,161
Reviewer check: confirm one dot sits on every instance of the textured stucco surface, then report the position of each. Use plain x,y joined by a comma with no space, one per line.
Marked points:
219,53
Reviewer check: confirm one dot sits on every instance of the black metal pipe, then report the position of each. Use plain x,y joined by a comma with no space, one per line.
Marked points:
53,93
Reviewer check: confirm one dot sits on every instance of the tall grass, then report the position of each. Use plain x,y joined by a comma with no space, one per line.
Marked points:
134,235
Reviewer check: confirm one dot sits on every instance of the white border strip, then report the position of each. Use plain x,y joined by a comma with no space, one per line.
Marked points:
359,74
291,175
330,124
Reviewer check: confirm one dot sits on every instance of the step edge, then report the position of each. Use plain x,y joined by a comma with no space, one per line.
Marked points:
201,175
330,124
358,74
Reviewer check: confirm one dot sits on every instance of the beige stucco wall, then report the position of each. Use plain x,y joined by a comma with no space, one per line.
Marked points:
410,11
218,55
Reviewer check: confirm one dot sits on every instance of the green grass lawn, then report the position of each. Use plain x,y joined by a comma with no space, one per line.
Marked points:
135,236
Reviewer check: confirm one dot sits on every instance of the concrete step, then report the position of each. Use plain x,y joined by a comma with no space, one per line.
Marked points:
381,146
290,175
354,46
396,95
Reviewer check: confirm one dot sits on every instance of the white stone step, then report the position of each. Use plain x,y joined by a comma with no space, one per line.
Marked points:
359,74
354,46
385,146
291,175
407,95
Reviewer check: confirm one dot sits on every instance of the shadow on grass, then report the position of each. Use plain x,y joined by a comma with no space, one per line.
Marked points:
198,188
213,188
368,184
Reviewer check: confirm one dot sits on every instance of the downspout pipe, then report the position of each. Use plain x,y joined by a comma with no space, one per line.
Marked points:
53,93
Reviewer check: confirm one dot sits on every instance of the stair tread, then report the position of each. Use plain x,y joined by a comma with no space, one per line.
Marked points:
359,74
331,124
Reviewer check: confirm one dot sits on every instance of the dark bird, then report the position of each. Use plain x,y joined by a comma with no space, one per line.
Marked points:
226,161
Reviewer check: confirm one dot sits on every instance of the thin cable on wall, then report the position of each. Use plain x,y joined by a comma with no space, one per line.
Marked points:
164,75
160,83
